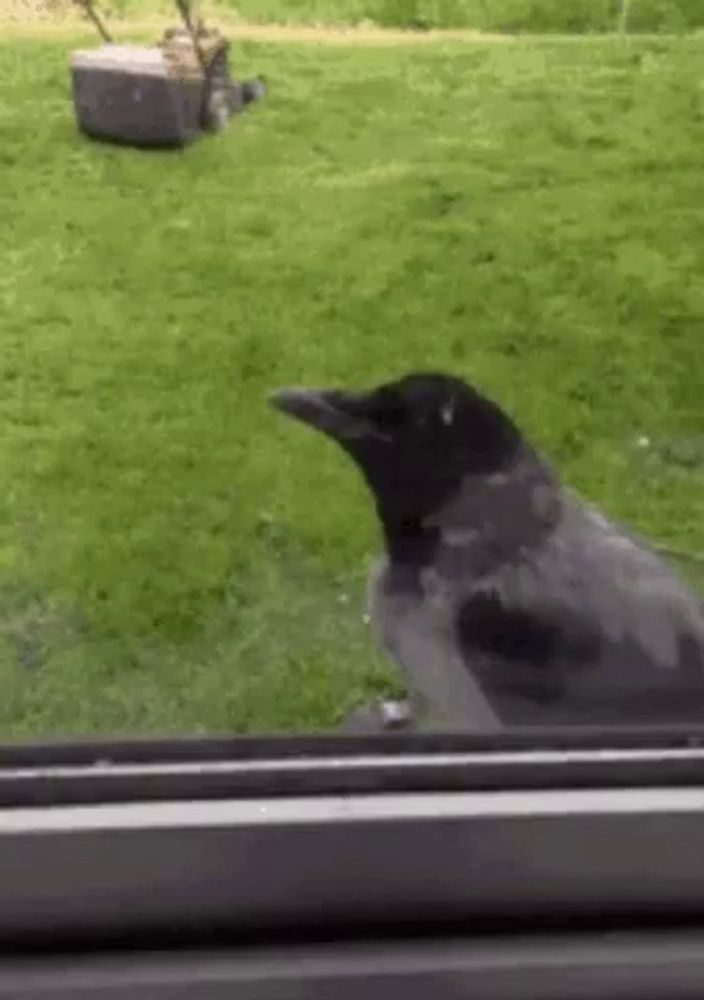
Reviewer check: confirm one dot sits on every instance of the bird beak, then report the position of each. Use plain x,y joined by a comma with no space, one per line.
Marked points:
336,413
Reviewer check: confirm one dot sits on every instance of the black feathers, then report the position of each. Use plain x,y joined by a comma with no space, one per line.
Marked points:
414,440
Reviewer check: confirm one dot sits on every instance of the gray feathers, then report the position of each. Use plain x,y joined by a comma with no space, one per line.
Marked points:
554,613
504,599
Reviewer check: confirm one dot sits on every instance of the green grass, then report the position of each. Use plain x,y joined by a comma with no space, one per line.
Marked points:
176,556
579,16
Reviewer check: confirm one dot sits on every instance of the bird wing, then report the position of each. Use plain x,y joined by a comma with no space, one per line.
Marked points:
591,613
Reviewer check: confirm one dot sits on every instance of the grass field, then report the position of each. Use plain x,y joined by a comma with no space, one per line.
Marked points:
174,555
571,16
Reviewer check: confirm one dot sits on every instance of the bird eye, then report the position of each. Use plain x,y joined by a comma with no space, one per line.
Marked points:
447,412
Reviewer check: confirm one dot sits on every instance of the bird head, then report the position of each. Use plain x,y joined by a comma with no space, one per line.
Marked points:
415,439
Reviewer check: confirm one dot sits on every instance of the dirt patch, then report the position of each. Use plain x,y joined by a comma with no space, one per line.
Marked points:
57,17
34,10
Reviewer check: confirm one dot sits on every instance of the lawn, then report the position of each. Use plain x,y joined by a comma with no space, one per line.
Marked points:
534,16
174,555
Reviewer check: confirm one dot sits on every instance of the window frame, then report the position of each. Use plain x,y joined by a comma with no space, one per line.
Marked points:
135,840
647,965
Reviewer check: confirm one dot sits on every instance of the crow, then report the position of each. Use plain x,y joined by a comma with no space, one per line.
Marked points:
506,599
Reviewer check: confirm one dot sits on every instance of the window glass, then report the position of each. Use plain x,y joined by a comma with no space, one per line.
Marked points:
475,236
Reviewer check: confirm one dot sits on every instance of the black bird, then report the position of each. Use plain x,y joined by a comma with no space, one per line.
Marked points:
505,599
